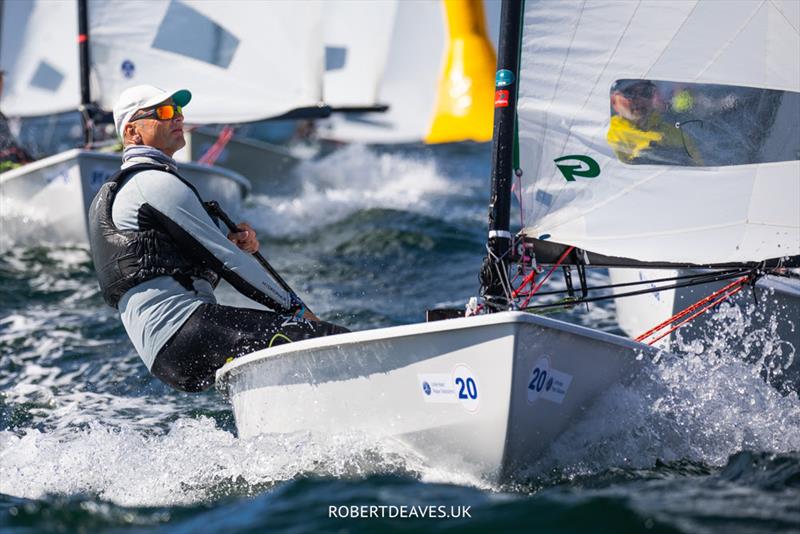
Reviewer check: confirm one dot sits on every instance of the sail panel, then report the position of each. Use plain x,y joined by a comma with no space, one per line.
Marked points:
413,64
579,68
243,61
357,36
39,53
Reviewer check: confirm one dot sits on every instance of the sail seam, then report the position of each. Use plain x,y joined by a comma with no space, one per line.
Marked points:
671,40
556,91
725,46
789,22
588,97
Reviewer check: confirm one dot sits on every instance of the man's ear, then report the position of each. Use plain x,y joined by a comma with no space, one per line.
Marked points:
132,135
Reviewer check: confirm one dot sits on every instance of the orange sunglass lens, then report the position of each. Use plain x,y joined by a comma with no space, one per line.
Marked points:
167,112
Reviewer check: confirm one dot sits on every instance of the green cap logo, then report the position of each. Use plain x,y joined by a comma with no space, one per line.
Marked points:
585,167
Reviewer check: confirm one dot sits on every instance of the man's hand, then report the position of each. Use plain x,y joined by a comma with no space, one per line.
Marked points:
310,316
245,238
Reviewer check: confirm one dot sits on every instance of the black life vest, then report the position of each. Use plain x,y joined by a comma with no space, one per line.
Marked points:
126,258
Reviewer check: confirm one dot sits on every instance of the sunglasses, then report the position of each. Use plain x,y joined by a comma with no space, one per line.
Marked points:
640,91
163,112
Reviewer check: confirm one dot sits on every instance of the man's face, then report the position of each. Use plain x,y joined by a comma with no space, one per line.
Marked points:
165,135
634,104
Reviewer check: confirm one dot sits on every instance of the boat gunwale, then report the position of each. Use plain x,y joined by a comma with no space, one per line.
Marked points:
237,366
78,153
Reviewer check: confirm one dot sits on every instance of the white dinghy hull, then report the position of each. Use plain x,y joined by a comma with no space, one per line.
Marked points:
55,192
482,395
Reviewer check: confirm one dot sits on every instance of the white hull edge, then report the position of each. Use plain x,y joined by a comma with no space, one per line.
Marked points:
458,392
53,194
266,165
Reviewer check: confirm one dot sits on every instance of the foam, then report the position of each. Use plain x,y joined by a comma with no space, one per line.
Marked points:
350,180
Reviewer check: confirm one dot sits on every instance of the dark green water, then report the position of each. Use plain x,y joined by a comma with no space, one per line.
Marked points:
89,442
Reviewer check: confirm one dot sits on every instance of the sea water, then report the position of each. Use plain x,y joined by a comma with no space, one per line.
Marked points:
90,442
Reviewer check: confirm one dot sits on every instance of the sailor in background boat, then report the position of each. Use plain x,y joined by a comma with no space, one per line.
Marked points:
640,133
11,154
158,256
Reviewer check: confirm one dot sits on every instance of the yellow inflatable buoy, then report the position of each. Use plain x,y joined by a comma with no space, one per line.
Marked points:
464,109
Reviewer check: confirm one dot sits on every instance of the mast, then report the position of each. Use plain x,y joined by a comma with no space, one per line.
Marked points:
494,273
83,51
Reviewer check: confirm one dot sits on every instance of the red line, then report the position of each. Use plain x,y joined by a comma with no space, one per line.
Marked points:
540,284
720,301
714,298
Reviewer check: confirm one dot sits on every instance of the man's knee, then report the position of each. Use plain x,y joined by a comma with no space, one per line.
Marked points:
191,379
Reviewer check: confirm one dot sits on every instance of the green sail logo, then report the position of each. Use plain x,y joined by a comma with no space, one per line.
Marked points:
584,167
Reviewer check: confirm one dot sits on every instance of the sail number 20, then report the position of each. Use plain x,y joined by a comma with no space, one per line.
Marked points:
538,379
468,388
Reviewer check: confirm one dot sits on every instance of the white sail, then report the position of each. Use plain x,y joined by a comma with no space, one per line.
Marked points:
357,36
437,78
409,81
39,52
696,57
242,60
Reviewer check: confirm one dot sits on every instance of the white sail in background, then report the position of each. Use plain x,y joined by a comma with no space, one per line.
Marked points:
704,66
39,52
409,81
242,60
357,36
437,79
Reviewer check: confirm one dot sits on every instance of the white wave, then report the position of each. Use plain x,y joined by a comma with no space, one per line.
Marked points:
24,223
194,461
350,180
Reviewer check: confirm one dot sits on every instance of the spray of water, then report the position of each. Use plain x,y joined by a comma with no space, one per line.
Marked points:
350,180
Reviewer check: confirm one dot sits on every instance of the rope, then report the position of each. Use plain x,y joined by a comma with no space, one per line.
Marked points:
697,280
706,304
215,151
540,284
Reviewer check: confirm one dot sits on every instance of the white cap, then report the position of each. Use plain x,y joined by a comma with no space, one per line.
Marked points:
143,96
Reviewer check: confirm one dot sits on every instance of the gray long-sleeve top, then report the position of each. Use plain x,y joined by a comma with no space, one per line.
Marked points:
152,312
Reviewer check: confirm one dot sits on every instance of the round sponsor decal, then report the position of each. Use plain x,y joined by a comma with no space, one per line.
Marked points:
540,380
128,68
426,387
467,390
504,78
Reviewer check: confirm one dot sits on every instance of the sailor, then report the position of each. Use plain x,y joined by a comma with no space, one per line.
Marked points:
11,153
158,256
638,132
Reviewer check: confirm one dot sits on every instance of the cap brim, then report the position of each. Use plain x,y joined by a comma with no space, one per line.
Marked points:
182,97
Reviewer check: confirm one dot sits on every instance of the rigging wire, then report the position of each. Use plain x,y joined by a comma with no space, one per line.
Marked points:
698,281
705,304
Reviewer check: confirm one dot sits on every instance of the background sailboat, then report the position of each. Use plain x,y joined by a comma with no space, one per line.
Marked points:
210,47
355,36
